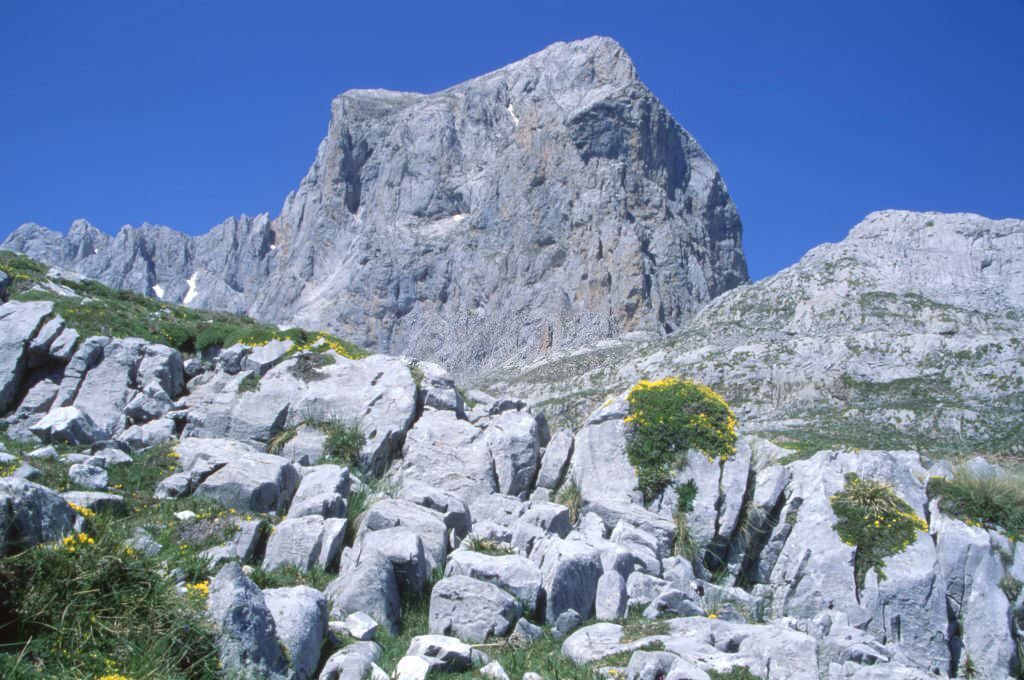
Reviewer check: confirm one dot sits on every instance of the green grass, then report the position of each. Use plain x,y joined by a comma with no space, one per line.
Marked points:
486,546
734,673
289,576
250,383
994,502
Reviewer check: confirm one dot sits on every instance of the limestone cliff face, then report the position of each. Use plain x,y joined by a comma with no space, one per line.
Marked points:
546,205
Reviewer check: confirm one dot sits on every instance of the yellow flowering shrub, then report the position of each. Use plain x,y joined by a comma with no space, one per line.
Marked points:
669,417
875,521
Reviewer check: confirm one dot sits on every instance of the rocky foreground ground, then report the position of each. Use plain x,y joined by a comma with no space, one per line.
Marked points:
510,537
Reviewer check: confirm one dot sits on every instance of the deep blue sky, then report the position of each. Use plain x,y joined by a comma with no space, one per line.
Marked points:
184,113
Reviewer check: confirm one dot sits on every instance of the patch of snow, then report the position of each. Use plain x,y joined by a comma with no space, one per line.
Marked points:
273,246
159,290
512,112
192,290
459,217
94,251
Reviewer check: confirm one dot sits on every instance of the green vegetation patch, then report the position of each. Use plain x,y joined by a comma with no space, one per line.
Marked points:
667,418
96,309
876,522
571,496
734,673
990,501
90,605
343,443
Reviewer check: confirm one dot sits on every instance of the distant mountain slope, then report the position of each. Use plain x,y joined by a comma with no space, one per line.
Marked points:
907,333
546,205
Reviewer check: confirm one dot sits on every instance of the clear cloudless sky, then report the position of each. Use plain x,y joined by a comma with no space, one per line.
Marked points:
186,112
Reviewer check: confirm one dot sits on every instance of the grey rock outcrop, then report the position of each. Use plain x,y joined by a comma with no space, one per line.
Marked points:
577,204
30,514
19,322
300,617
471,610
247,636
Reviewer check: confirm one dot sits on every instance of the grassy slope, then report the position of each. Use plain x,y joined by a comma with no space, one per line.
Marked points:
95,309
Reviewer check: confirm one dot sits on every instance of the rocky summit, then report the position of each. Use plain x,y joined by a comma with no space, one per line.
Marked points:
546,205
669,473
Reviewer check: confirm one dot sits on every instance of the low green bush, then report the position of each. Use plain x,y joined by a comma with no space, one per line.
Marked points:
991,501
669,417
876,522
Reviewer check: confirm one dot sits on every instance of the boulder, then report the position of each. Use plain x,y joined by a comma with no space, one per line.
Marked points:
555,460
306,447
300,617
366,583
471,610
262,357
88,475
30,514
448,653
247,643
512,573
454,512
322,491
569,571
97,501
446,453
611,513
610,599
243,545
141,437
253,482
351,662
305,542
359,625
19,322
427,524
404,549
67,424
513,442
596,641
599,464
436,390
972,573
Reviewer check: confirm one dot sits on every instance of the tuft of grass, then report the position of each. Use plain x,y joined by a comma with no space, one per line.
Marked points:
344,441
280,440
571,496
250,383
875,521
308,364
994,502
486,546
